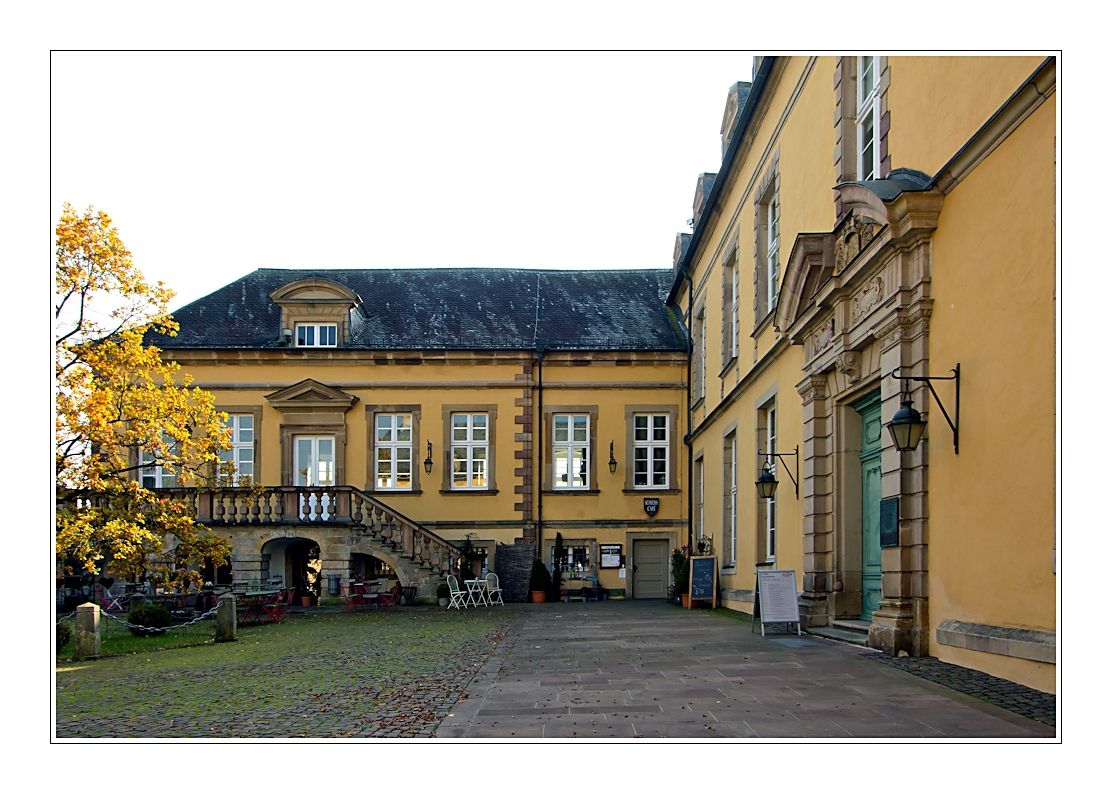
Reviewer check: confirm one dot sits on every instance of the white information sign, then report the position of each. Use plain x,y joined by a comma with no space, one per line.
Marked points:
777,594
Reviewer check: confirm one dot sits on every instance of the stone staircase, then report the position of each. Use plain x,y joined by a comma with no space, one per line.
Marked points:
855,632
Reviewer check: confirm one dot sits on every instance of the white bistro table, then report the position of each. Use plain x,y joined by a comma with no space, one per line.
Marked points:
477,592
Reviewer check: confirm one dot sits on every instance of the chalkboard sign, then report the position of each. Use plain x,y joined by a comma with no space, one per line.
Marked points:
890,522
703,583
776,599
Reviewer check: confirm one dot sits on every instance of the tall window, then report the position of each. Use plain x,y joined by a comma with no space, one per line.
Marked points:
698,512
153,474
699,344
394,451
729,506
571,450
768,247
770,504
730,289
316,334
469,451
650,451
868,118
735,327
242,454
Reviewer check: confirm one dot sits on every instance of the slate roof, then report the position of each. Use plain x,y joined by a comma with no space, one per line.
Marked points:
453,308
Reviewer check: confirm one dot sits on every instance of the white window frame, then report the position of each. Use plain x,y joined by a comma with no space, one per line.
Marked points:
241,451
476,440
397,448
770,504
310,334
700,476
772,245
161,476
729,523
868,106
699,389
569,446
651,443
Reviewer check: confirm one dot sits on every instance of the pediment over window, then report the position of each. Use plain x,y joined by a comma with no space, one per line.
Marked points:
810,264
311,395
314,290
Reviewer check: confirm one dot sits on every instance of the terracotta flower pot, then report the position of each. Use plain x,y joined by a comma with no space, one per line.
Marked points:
306,601
685,600
538,596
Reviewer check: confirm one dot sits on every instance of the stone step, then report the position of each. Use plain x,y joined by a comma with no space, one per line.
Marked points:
850,624
842,635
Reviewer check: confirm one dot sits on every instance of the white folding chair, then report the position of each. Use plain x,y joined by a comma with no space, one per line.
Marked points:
493,590
459,597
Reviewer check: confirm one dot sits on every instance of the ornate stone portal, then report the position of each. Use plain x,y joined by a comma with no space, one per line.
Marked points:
858,300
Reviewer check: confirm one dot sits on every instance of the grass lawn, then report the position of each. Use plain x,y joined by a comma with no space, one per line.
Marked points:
317,675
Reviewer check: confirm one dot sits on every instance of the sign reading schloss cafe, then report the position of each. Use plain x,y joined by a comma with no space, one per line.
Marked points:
652,506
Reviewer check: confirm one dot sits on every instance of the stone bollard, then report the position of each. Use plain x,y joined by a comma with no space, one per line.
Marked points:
226,618
88,632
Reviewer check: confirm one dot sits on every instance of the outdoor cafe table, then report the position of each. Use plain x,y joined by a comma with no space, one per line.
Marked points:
250,606
477,592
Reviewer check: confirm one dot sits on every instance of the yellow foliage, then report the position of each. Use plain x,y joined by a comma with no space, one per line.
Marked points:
114,398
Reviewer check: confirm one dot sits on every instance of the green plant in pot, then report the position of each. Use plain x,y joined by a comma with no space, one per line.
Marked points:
681,572
540,582
442,593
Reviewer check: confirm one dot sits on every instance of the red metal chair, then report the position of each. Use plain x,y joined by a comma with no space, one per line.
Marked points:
353,596
391,598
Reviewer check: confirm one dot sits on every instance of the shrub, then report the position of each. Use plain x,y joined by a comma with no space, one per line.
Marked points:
154,617
65,634
442,590
539,578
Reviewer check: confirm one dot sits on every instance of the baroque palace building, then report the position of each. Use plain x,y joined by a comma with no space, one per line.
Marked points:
875,221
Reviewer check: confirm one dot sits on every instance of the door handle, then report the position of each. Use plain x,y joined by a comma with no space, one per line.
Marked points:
635,569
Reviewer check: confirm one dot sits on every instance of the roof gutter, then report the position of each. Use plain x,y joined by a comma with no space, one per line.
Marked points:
760,81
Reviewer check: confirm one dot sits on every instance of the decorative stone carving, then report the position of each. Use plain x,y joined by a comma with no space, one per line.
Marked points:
849,364
813,388
821,338
854,236
866,298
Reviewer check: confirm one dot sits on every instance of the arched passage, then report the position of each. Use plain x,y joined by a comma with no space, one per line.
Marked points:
297,561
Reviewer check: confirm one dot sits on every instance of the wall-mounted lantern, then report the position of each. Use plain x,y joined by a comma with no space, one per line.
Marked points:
428,460
766,482
907,425
613,462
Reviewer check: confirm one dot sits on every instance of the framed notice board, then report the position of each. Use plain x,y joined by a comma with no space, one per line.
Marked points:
703,581
890,522
610,555
776,600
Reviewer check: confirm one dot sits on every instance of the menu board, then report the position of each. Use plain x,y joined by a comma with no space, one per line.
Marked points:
777,600
610,555
702,581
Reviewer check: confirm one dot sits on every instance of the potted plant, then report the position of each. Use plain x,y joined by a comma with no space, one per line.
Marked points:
681,571
557,568
540,582
442,593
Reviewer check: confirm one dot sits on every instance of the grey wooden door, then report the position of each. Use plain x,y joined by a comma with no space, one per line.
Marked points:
650,568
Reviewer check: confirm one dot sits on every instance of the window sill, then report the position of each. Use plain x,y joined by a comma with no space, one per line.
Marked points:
650,490
389,492
573,492
729,365
696,403
469,492
763,324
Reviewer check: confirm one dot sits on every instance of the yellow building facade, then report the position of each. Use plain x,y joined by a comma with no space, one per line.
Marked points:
818,287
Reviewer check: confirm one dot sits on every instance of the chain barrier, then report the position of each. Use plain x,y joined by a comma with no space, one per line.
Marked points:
65,617
197,619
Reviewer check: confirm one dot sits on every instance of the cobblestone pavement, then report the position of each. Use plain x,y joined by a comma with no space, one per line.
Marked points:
392,674
1014,697
629,669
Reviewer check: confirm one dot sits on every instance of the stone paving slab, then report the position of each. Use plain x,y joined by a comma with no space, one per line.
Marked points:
623,669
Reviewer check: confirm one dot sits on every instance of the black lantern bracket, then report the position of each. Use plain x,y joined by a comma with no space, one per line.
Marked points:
613,461
956,378
428,460
781,456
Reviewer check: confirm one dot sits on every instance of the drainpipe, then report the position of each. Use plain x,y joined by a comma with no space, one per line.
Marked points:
538,437
687,435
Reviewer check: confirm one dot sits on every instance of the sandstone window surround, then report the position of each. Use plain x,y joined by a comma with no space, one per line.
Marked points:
469,450
729,497
315,306
311,408
868,117
699,364
563,453
245,423
731,300
393,438
766,246
152,474
651,439
698,513
851,96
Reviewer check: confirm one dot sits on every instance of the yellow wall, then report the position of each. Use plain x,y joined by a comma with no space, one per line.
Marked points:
992,506
938,103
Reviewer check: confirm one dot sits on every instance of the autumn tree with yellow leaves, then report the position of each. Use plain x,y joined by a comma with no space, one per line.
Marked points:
120,406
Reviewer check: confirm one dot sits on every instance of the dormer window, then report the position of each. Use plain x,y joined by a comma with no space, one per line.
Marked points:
315,334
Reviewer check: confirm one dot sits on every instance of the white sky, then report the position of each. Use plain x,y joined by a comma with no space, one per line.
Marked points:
215,164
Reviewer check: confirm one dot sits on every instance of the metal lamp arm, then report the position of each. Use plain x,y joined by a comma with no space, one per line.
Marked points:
795,479
956,377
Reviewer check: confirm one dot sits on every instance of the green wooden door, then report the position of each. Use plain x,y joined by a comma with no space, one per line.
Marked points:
869,409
